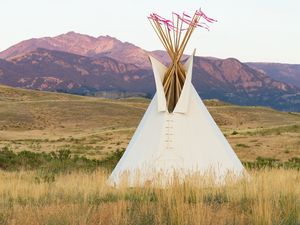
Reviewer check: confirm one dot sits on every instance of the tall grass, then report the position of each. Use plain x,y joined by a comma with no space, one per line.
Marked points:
271,196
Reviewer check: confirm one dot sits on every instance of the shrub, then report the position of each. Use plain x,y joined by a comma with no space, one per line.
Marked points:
234,132
262,162
54,162
242,145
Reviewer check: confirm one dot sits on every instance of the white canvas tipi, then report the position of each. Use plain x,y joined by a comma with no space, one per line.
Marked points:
184,141
177,133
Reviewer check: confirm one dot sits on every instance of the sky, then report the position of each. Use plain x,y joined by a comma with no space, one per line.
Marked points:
249,30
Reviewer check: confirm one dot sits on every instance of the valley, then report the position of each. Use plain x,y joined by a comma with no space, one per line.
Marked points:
94,127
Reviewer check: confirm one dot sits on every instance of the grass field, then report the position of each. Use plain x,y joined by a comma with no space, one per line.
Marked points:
69,186
270,197
41,121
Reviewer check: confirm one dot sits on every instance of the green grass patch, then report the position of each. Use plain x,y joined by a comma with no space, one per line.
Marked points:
54,162
275,130
264,162
63,161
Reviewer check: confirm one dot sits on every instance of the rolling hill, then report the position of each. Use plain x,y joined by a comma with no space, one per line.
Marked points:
45,121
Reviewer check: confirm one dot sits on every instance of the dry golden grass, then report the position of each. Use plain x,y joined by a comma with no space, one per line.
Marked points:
269,197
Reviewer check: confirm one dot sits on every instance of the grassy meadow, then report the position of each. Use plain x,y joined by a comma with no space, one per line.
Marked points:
269,197
57,150
93,127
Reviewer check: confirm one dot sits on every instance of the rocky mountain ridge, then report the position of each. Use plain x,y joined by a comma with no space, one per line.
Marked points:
82,64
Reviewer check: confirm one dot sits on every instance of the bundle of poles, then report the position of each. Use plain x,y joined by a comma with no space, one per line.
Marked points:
174,35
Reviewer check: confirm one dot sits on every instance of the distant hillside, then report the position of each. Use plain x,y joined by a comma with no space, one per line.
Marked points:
10,94
107,67
288,73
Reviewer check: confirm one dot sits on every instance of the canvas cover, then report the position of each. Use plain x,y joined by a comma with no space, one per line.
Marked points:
185,141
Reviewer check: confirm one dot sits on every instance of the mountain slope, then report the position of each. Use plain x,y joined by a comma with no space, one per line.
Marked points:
82,45
228,80
233,81
44,69
288,73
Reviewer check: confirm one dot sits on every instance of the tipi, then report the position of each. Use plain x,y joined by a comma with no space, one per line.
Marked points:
177,133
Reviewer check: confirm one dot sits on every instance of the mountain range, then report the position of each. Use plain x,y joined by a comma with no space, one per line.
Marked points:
105,66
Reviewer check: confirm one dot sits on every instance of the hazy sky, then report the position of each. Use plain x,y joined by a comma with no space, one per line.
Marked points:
250,30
